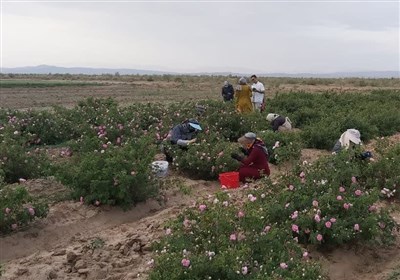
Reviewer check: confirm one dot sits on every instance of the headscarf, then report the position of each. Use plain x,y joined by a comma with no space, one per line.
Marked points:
351,135
272,117
242,81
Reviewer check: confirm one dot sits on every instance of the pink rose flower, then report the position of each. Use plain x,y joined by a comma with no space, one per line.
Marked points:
302,174
342,189
315,203
295,215
97,203
244,270
358,192
339,197
305,255
319,237
220,154
240,214
232,237
168,231
251,198
283,266
372,208
333,220
31,211
7,210
295,228
382,225
356,227
328,224
202,207
317,218
267,229
185,262
353,179
186,223
291,187
346,206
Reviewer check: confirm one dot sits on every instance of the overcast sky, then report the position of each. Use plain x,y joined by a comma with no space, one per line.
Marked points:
259,37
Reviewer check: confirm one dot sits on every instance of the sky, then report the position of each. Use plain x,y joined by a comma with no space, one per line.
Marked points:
194,36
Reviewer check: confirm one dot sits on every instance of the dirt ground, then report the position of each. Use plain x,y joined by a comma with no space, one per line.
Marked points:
78,241
127,93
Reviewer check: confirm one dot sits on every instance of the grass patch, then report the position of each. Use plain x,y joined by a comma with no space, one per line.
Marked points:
395,274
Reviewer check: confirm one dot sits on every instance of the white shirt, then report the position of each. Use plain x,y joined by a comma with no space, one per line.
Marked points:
258,97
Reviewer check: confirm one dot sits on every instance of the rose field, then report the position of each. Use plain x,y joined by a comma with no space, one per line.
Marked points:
79,198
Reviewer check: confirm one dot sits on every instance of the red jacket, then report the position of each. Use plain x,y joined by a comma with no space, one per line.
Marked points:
257,158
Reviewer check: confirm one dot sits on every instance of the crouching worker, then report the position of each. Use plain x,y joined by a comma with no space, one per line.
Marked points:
351,138
279,123
182,135
254,164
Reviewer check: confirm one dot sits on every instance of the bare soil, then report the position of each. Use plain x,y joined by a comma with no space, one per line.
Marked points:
78,241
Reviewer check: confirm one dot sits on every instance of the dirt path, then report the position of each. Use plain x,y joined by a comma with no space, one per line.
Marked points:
72,230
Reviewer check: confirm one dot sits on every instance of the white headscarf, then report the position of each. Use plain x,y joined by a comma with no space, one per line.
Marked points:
271,117
351,135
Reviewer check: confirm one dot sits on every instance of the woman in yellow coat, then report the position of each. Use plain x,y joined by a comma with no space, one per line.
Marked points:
243,97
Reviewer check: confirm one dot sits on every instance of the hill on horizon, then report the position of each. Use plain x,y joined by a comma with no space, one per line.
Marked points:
48,69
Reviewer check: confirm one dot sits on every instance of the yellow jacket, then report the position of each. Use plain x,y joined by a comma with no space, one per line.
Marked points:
243,96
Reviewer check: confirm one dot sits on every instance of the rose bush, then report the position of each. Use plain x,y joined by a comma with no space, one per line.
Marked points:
115,175
18,208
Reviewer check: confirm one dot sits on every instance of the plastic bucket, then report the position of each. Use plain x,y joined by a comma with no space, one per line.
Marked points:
229,180
160,168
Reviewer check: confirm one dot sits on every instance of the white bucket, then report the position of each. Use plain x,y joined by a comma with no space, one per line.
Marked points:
160,168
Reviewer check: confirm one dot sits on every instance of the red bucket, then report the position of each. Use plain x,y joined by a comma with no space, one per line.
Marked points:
229,179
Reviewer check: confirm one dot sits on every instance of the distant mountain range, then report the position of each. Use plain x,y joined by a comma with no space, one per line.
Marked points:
46,69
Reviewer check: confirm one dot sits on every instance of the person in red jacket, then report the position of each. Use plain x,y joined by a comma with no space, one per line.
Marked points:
255,164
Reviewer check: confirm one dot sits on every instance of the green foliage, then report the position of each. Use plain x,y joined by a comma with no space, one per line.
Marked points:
282,147
116,175
222,244
206,159
323,117
16,162
384,174
325,204
18,208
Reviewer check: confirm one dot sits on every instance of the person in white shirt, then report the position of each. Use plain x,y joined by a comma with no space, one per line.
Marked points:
258,93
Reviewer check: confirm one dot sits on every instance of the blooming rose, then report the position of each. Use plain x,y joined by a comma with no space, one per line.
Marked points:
328,224
186,262
202,207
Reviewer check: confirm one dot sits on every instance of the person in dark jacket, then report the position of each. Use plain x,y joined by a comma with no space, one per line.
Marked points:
255,164
182,135
227,91
279,123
